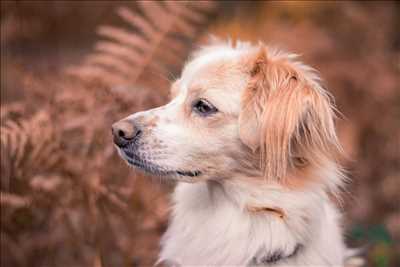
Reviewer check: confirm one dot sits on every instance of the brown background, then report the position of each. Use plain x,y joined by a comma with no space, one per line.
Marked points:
76,204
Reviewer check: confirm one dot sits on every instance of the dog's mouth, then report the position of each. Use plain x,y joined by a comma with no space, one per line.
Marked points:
152,168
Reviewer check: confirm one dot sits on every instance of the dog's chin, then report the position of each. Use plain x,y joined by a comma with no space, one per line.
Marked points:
146,166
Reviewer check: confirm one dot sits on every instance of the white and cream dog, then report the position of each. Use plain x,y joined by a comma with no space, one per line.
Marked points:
249,135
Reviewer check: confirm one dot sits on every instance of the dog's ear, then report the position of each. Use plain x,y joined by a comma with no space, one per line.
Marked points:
253,100
285,114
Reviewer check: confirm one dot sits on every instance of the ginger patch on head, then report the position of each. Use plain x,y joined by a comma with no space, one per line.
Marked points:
285,110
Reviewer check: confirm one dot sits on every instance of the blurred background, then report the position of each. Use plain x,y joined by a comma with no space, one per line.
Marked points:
69,69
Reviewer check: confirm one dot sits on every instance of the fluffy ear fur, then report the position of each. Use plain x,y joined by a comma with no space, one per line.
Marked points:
286,114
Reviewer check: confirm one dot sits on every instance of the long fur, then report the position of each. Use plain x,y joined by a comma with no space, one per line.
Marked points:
258,176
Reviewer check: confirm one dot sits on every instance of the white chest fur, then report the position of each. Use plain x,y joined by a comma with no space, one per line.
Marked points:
211,226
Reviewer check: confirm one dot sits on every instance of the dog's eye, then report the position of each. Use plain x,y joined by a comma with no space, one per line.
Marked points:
203,107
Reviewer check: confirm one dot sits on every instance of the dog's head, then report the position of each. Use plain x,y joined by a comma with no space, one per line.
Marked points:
244,110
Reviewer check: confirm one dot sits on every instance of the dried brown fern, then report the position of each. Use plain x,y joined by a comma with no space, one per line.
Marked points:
160,35
28,146
98,207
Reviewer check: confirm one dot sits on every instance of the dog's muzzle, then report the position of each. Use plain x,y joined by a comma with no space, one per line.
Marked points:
126,135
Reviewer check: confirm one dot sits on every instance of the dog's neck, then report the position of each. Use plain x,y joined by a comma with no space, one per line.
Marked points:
239,222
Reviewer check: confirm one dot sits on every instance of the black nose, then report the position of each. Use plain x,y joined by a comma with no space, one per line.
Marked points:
125,131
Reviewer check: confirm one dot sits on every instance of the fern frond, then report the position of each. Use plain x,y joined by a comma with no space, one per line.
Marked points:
118,50
28,145
157,41
13,200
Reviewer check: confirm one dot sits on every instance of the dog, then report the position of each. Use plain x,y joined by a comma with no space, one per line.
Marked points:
249,134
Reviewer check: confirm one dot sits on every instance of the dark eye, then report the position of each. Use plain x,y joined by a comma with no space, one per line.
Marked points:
203,107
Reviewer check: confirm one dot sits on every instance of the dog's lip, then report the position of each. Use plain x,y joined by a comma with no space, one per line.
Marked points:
135,160
189,173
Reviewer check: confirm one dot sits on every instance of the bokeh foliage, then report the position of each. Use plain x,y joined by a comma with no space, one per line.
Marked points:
74,203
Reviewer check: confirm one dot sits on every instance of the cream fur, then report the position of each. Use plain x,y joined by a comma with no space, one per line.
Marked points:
252,199
210,226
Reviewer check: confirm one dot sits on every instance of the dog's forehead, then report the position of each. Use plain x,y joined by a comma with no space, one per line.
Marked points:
219,76
207,61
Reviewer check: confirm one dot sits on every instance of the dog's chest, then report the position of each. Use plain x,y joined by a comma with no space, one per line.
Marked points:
205,230
208,229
